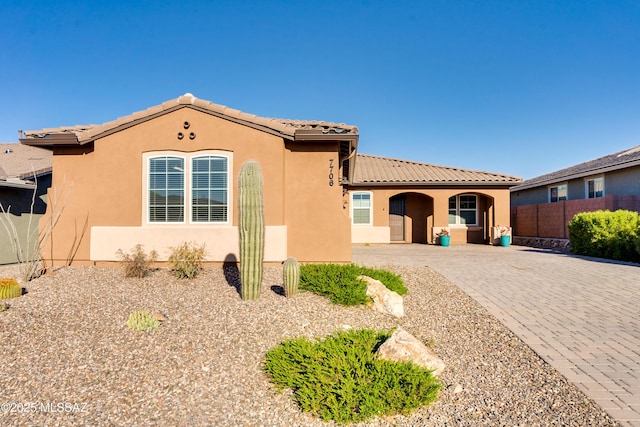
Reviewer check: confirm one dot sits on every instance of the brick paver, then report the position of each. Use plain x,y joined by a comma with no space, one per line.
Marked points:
581,315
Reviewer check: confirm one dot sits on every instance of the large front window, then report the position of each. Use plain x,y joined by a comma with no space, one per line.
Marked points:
463,210
204,177
166,189
209,189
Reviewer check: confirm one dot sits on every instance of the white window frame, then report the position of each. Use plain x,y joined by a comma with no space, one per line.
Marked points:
188,204
370,208
551,187
586,186
458,209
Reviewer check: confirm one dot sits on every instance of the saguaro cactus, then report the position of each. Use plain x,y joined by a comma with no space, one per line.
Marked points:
291,273
251,226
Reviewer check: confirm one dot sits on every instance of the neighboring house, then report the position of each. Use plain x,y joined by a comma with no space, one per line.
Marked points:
543,206
21,167
168,174
402,201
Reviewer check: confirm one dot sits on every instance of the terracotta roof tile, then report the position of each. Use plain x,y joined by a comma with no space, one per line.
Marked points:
383,170
280,126
615,161
20,161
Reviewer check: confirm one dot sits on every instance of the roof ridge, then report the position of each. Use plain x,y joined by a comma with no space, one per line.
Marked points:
285,127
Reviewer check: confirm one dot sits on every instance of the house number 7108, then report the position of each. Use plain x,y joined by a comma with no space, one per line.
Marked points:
330,172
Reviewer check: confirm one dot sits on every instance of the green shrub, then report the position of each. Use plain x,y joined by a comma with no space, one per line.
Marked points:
142,321
605,234
339,282
9,288
137,263
186,260
340,378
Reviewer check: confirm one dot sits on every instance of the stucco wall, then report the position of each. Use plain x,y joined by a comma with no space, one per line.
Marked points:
108,184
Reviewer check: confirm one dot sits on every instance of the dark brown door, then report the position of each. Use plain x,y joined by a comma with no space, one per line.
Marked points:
397,210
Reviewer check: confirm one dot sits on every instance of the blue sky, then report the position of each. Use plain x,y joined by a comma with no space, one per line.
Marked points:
516,87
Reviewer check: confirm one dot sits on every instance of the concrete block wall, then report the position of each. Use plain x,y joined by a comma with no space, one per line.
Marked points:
550,220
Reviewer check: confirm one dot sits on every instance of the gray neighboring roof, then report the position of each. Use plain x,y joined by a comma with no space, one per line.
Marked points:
19,163
376,170
290,129
611,162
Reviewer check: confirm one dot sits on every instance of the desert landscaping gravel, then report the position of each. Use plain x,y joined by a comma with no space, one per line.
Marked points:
68,358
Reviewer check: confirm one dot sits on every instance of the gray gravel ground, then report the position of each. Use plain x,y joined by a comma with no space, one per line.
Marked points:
66,341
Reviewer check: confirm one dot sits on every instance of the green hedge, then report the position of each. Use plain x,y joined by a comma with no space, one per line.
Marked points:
606,234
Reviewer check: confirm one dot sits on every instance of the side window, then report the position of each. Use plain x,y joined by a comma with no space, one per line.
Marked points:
166,189
558,193
595,188
361,207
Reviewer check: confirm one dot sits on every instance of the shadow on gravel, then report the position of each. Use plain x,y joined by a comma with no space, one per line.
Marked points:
231,272
278,290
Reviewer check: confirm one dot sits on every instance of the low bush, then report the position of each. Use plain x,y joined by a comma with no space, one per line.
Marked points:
605,234
137,263
339,282
186,260
340,378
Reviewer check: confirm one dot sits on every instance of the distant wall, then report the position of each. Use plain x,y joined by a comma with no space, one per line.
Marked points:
18,202
550,220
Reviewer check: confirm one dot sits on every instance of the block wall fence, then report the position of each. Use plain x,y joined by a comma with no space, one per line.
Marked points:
550,220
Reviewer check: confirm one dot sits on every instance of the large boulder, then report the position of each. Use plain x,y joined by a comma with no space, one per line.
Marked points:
384,300
404,347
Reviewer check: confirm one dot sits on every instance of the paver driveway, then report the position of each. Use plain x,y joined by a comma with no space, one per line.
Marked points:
581,315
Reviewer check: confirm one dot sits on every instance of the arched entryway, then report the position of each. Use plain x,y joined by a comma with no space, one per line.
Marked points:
410,217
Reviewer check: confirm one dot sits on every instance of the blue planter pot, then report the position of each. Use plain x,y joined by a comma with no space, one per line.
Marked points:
505,240
445,240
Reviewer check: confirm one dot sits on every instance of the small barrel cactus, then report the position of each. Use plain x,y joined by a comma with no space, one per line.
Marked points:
291,275
142,321
251,227
9,288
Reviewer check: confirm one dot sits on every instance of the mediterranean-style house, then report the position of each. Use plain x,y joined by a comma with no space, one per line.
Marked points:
544,205
168,174
25,176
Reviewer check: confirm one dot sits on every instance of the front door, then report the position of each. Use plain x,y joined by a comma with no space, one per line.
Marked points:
397,210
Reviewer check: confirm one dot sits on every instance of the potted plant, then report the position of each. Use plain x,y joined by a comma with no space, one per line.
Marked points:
505,235
444,237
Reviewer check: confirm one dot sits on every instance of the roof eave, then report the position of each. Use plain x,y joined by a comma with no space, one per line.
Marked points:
51,139
590,172
314,135
434,183
25,185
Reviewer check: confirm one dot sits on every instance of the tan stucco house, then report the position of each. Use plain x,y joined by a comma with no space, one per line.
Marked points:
168,174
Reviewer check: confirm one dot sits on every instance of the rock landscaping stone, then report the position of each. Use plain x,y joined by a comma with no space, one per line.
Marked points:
404,347
384,300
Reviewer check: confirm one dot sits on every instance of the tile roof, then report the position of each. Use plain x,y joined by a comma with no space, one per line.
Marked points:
283,127
620,160
376,170
21,161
